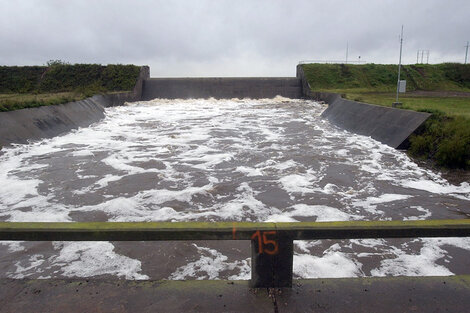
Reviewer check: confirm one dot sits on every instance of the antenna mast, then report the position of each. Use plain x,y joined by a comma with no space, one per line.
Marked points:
399,63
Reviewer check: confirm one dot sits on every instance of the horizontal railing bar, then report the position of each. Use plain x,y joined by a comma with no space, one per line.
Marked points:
159,231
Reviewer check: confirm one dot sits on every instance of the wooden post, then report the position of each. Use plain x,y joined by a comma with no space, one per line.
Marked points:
271,260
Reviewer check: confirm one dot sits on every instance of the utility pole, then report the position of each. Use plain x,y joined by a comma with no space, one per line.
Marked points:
347,51
466,53
399,64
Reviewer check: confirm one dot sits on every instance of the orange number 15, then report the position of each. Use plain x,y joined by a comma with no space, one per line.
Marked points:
263,241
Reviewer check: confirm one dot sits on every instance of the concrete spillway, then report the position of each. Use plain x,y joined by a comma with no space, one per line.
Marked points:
387,125
222,88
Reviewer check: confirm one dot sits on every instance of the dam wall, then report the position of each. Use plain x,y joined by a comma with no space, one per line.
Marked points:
222,88
19,126
388,125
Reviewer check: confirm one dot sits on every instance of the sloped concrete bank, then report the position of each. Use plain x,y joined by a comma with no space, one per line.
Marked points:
48,121
222,88
388,125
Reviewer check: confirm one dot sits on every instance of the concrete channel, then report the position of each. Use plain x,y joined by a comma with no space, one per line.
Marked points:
389,126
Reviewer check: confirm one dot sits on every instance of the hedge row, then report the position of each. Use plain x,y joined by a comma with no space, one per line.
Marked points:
59,77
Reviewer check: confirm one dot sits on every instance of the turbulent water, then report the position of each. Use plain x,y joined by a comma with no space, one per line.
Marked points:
222,160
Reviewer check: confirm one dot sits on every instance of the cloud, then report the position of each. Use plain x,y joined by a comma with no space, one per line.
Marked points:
229,38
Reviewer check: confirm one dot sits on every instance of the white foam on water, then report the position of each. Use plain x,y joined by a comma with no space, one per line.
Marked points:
306,245
211,160
40,214
399,261
120,163
35,261
384,199
425,214
298,183
278,218
285,165
249,171
82,153
87,259
422,263
159,196
322,213
368,243
13,246
440,187
370,204
209,266
242,207
342,152
145,205
332,264
14,190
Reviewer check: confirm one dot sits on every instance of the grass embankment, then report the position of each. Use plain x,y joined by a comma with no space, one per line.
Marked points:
450,105
441,89
33,86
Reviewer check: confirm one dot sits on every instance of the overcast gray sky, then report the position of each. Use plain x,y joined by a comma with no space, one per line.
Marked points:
229,38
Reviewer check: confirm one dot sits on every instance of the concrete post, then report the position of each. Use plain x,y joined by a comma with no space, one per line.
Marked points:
271,260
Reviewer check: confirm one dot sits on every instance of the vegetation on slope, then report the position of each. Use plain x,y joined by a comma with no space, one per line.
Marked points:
441,89
383,78
32,86
443,139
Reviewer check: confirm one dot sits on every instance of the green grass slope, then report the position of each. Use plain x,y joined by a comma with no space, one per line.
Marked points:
32,86
442,89
383,78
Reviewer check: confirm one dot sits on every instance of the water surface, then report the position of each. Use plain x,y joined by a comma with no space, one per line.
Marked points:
223,160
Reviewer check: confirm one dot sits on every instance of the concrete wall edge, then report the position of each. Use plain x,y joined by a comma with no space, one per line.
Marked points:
21,126
390,126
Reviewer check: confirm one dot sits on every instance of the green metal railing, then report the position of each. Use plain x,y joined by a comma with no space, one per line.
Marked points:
271,243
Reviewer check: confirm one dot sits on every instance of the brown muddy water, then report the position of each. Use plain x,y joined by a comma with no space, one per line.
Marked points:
223,160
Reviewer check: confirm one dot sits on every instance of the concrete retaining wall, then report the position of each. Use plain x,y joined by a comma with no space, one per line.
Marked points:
221,88
48,121
388,125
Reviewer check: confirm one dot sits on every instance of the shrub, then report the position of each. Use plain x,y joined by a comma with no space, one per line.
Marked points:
59,76
445,140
